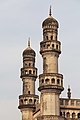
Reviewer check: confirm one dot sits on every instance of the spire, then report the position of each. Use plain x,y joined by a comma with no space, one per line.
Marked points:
29,42
50,11
69,92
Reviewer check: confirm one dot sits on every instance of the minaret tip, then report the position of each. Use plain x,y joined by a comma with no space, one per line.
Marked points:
29,42
50,11
69,92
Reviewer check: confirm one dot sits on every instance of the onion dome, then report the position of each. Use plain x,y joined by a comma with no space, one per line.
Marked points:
50,21
29,50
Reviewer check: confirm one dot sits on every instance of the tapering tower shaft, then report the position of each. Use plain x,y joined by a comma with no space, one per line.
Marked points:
50,81
28,99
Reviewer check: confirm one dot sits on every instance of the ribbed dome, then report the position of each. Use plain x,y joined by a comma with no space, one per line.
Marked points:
29,50
50,21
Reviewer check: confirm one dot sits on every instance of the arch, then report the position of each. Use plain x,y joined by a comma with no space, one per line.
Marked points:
28,92
34,101
63,114
60,113
47,37
68,115
56,46
30,71
48,45
73,115
58,81
51,37
46,80
78,115
26,101
42,80
29,64
52,45
33,71
26,72
52,80
30,100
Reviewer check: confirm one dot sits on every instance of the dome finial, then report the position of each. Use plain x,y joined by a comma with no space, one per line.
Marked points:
69,92
29,42
50,11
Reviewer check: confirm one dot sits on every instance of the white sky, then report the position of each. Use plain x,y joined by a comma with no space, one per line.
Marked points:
20,19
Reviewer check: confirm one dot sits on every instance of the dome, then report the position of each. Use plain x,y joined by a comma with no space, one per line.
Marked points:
50,20
29,50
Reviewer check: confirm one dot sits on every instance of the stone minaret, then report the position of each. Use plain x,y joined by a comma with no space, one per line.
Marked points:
50,81
28,99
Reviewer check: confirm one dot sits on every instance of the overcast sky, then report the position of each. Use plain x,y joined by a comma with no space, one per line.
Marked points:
20,19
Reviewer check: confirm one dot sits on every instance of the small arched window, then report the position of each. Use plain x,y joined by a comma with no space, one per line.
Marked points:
47,81
42,80
60,113
48,45
26,101
30,71
30,100
52,80
78,115
73,115
34,101
47,37
56,46
58,81
52,45
28,92
51,37
68,115
29,64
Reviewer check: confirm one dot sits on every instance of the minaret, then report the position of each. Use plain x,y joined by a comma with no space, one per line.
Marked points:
50,81
28,99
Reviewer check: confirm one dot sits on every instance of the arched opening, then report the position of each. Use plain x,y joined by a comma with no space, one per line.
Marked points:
78,115
48,45
73,115
53,80
51,37
33,71
26,101
26,72
63,114
42,80
58,81
29,64
47,37
52,45
56,46
28,92
67,115
30,71
30,100
47,81
34,101
60,113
